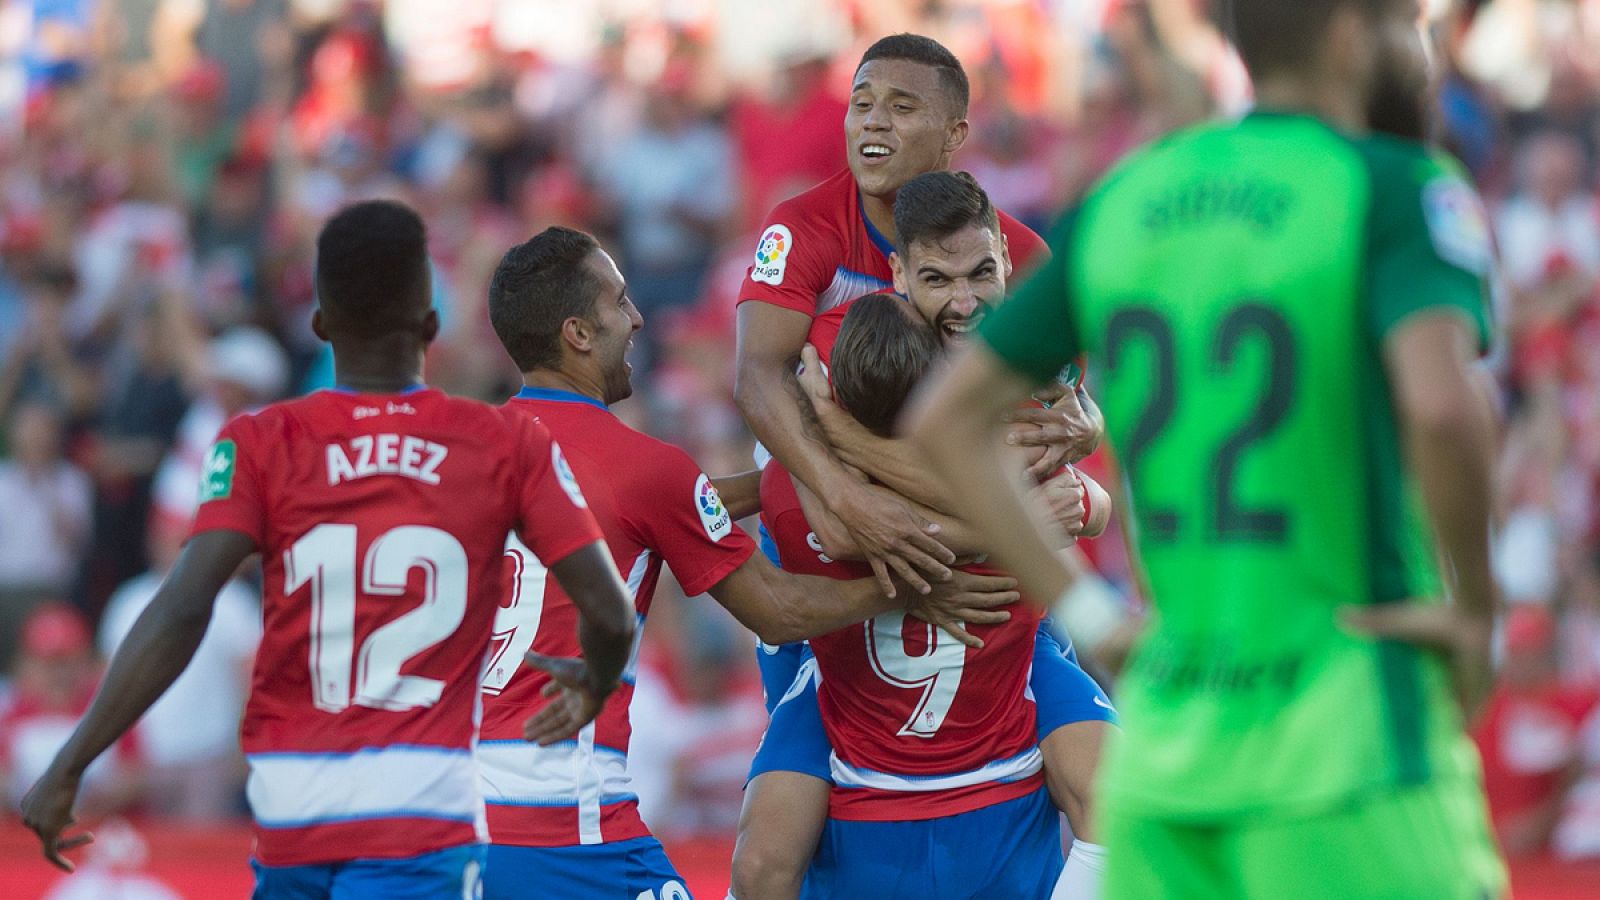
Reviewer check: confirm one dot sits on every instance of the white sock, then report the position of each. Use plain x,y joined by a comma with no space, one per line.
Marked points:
1080,880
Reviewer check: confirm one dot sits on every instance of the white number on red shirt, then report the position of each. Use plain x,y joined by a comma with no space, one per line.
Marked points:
325,558
516,624
936,672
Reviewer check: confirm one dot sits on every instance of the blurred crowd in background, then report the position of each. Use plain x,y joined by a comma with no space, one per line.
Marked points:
165,164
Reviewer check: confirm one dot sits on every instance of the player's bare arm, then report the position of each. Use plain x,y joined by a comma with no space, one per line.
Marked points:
956,419
768,395
781,607
154,654
1448,430
605,632
740,493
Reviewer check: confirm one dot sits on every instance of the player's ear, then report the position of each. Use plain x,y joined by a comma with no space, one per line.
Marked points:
578,333
901,282
1005,255
318,327
430,326
956,137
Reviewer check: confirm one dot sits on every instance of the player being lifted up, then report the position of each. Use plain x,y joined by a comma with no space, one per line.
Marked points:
951,265
562,817
380,587
907,116
1288,308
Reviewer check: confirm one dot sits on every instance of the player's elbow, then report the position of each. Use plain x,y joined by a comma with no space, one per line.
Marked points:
752,377
1445,410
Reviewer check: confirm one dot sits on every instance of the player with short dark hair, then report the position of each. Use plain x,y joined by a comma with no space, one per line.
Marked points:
563,816
1287,310
379,590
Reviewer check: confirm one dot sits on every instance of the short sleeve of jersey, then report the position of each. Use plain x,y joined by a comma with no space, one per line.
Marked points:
231,482
791,266
1033,331
553,517
1429,242
688,525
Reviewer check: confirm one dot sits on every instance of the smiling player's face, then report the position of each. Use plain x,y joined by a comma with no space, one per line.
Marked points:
899,125
615,319
953,282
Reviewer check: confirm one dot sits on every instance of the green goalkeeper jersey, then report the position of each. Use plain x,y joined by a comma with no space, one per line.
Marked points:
1232,286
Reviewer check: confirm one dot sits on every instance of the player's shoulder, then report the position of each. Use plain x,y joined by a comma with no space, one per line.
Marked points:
823,207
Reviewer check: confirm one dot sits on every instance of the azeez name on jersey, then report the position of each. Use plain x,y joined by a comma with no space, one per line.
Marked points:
385,454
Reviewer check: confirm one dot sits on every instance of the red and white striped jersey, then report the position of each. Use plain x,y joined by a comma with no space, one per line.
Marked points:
381,522
654,505
921,727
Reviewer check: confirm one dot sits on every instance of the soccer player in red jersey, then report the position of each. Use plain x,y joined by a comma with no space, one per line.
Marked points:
380,510
562,816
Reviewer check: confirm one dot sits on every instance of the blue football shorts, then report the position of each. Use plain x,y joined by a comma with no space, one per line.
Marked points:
452,872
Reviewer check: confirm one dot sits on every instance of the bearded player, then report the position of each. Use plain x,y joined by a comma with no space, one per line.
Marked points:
380,586
1289,310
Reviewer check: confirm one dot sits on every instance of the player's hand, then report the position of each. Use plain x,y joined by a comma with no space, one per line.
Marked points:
1064,492
1442,628
47,809
893,538
575,700
1065,431
966,599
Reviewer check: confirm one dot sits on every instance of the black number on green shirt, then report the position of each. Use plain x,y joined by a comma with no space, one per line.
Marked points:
1131,324
1229,520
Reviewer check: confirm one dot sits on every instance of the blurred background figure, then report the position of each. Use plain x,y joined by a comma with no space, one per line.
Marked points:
55,675
44,520
190,736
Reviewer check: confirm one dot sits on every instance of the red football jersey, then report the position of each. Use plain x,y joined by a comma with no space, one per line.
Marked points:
381,522
921,727
818,250
654,505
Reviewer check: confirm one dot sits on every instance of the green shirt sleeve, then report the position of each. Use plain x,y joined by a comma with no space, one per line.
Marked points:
1429,241
1033,331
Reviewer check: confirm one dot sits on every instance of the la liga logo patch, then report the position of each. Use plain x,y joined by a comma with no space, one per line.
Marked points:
772,255
216,480
564,476
713,515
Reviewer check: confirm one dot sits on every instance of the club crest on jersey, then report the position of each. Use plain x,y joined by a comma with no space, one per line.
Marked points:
772,255
569,481
1458,225
216,480
713,515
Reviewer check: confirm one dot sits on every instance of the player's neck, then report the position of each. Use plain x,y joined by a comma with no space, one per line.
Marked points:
552,380
378,367
880,212
1324,98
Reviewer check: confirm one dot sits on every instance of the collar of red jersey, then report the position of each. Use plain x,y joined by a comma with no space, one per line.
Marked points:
557,396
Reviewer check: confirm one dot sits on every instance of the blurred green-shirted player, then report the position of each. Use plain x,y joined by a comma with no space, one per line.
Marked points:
1284,311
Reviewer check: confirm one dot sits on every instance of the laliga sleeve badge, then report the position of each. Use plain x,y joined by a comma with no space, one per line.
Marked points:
216,481
1458,224
713,515
772,255
568,481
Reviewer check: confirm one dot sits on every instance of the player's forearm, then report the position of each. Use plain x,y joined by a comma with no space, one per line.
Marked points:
893,463
1452,454
797,607
741,493
769,396
956,422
